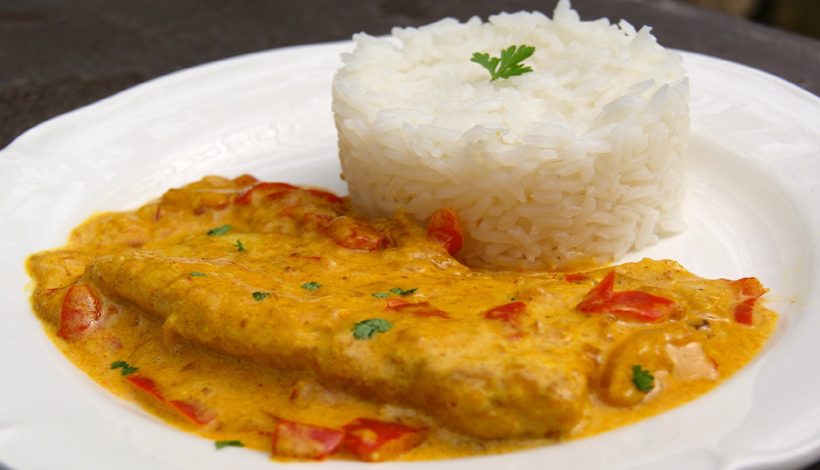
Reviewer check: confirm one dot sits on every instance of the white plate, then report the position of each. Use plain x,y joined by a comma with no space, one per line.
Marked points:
752,207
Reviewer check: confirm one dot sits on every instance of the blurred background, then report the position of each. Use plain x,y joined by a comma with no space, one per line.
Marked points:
799,16
58,55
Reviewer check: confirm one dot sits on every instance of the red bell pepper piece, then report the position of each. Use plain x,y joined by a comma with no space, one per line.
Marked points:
508,312
417,309
146,384
354,234
270,189
373,440
81,309
575,277
445,228
304,441
194,411
191,410
636,305
748,290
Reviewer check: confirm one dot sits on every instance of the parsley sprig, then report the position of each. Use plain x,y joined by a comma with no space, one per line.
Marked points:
367,328
642,379
394,291
221,230
508,65
260,296
232,443
311,286
125,368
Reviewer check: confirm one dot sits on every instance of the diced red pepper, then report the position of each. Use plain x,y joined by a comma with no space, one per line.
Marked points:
744,310
304,441
417,309
374,441
575,277
509,312
193,410
268,188
636,305
354,234
145,384
601,292
748,290
445,228
641,306
81,309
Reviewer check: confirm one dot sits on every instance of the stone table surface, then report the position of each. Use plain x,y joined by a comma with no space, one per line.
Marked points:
57,55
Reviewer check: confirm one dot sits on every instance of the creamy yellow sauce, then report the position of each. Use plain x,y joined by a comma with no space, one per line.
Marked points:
257,321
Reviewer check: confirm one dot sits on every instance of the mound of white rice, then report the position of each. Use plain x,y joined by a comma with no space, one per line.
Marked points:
578,161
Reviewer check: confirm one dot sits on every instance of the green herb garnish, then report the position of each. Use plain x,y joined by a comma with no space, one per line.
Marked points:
219,230
395,290
508,65
239,246
400,291
197,274
222,444
367,328
258,296
643,380
125,368
311,286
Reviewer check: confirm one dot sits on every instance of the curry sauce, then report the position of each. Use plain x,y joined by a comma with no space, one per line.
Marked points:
267,315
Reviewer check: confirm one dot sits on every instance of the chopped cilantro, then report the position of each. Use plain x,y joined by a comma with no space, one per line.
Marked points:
508,65
125,368
258,296
239,246
222,444
222,230
197,274
395,290
400,291
643,380
367,328
311,286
